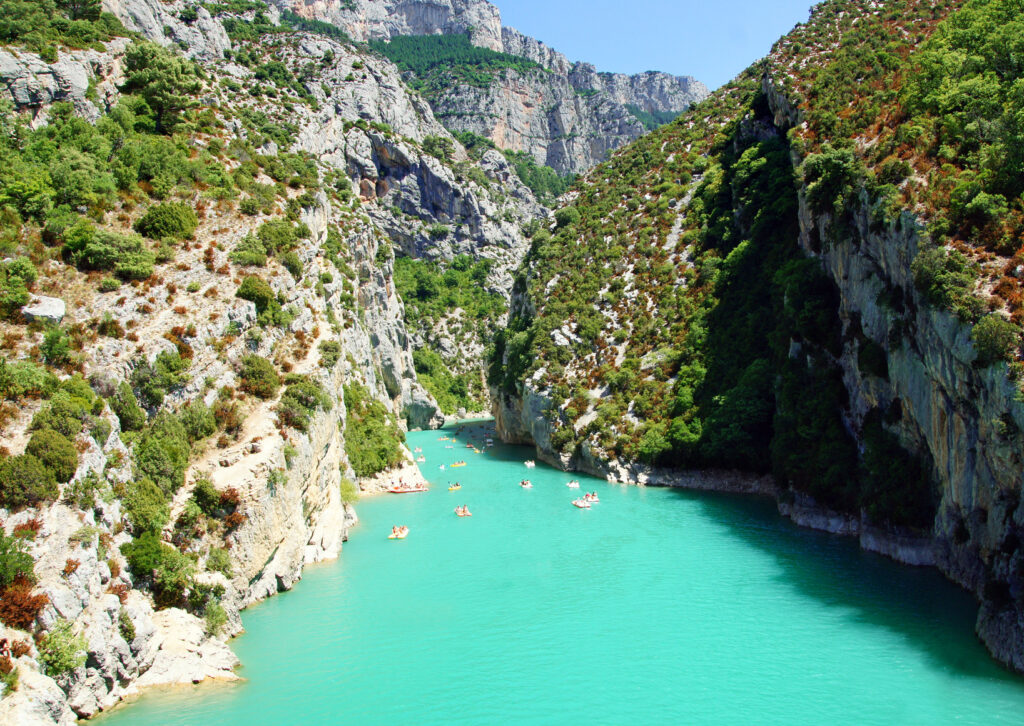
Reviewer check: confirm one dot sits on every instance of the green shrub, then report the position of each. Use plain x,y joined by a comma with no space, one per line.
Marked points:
259,377
945,279
170,219
152,381
293,264
16,279
15,562
214,617
219,560
257,290
300,400
125,626
56,347
126,407
330,353
101,249
147,506
25,378
168,572
349,491
995,338
57,453
25,481
198,420
162,453
61,650
206,497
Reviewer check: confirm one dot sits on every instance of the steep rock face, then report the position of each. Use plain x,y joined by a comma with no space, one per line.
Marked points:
566,116
966,420
367,19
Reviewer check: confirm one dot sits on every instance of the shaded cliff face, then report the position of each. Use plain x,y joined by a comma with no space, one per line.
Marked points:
565,115
763,304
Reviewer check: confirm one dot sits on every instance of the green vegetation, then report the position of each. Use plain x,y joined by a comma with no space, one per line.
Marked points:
15,563
302,397
373,441
431,293
43,25
543,181
171,219
259,377
61,650
167,571
451,390
652,119
56,452
25,481
439,61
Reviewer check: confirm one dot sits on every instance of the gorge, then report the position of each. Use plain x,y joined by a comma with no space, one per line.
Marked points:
248,247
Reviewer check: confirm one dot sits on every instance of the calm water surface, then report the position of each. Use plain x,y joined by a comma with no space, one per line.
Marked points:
656,606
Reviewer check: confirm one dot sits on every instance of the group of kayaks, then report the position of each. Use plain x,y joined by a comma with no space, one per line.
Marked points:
401,532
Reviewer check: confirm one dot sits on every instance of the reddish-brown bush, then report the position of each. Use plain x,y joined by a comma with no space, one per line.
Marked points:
20,648
70,566
234,520
121,590
18,606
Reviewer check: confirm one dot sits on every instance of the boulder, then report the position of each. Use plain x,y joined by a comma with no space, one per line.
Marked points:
47,309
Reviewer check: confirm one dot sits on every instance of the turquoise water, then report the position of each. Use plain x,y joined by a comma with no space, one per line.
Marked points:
655,606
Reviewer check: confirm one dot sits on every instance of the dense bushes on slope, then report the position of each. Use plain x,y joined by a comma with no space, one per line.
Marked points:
436,61
373,441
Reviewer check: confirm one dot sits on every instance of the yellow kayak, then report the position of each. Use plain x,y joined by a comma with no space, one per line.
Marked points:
455,488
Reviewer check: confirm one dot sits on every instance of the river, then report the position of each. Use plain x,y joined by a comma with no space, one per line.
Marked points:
654,606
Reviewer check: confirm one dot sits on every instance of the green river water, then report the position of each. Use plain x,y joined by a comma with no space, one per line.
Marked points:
655,606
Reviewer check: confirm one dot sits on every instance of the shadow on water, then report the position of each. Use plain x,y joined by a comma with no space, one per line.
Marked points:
917,603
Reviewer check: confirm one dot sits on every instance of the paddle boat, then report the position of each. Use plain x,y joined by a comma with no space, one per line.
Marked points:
530,463
455,487
526,484
591,497
399,532
421,459
444,438
573,484
417,450
463,511
406,489
458,464
581,503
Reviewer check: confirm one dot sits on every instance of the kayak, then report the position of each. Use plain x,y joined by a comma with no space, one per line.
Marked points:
455,466
455,488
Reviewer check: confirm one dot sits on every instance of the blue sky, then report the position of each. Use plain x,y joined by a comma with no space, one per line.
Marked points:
712,40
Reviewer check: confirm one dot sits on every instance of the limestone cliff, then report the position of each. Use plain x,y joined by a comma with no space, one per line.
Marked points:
565,115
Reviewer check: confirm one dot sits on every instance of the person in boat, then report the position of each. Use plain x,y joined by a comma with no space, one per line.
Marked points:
394,531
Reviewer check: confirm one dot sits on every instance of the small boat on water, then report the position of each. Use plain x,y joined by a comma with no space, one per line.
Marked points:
581,503
463,512
421,459
530,463
477,451
458,464
573,484
406,490
399,532
455,487
449,447
442,467
526,484
417,450
444,438
592,498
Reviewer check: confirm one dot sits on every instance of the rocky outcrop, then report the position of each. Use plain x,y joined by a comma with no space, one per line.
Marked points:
367,19
161,22
85,78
